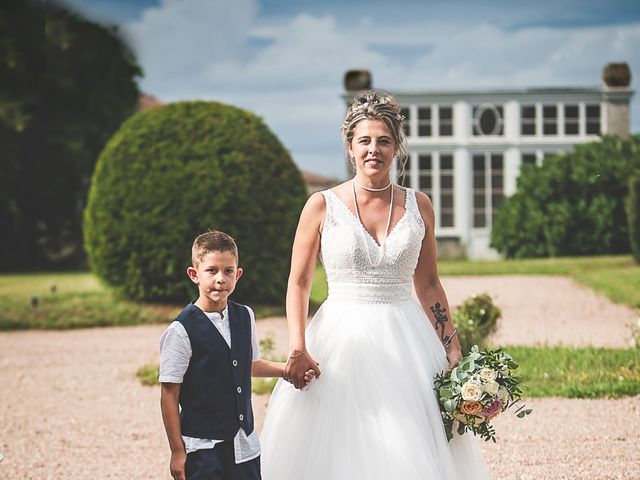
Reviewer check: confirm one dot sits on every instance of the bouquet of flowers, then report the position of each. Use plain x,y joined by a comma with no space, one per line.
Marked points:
480,387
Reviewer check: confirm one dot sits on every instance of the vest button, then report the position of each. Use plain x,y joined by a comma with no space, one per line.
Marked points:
239,389
235,363
241,417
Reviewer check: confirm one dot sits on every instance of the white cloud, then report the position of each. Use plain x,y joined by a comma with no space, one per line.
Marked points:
487,56
178,40
207,49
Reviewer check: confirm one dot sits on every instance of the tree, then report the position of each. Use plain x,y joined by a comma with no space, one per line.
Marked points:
66,84
633,214
573,204
176,171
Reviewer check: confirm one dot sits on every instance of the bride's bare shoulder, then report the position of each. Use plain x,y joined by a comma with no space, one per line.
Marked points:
342,190
425,207
315,206
317,202
424,202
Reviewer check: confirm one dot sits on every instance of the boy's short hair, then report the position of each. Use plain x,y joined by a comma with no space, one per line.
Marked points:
213,241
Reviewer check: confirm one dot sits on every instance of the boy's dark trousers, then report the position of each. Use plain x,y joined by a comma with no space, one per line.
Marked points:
219,463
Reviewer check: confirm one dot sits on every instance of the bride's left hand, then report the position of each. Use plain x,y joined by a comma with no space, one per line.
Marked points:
453,356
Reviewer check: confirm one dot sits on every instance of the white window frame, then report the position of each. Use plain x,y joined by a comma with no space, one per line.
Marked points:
431,122
413,181
488,188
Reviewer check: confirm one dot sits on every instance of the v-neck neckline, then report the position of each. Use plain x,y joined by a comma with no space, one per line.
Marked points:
359,222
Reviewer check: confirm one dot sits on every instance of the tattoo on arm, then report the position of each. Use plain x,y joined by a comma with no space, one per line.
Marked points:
441,319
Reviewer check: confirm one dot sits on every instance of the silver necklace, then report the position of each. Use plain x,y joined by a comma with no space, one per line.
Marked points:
371,189
382,245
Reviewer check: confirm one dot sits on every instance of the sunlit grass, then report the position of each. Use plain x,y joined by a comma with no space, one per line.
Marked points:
319,288
71,300
148,375
25,286
76,300
586,372
77,310
616,277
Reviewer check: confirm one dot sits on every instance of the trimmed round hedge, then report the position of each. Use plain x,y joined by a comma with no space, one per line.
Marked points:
573,204
174,172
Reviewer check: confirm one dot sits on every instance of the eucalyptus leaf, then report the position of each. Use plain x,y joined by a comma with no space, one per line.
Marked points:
449,405
446,393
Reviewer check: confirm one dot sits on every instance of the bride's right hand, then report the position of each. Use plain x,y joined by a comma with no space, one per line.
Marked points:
298,364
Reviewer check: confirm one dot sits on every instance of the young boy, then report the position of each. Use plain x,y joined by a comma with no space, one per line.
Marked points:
207,357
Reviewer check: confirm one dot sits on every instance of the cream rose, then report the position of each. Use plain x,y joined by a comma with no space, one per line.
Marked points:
487,374
503,395
491,387
471,391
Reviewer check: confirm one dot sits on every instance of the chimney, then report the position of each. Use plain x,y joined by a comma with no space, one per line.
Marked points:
357,80
616,75
617,96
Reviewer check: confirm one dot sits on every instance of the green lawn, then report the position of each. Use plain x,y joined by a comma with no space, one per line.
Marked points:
319,287
76,300
24,286
69,300
578,372
616,277
79,300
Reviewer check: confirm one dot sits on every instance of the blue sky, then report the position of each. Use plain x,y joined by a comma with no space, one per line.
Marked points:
285,59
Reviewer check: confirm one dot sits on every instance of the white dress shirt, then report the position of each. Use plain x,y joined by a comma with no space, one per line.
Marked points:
175,354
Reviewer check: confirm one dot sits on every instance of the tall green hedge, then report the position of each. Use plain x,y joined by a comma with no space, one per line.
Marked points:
171,173
633,213
66,85
573,204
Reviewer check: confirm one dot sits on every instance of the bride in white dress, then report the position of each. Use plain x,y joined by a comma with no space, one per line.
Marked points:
372,413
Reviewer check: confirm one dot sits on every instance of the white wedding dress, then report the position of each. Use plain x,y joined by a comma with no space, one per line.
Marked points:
373,413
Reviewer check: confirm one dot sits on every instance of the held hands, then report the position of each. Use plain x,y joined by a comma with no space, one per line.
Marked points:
301,369
309,378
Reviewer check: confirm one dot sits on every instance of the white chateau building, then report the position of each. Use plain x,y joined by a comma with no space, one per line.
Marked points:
466,147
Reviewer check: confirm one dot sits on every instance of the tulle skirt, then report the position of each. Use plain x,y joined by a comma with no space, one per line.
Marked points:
373,413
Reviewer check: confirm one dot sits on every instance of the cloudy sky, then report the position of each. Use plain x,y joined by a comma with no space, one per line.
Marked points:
285,59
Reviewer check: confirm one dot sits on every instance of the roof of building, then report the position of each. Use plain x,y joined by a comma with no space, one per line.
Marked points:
315,179
147,102
593,91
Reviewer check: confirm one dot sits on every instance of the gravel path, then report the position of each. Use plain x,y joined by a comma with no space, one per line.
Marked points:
72,408
547,310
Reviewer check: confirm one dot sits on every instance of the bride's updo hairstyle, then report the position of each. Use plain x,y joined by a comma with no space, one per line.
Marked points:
376,105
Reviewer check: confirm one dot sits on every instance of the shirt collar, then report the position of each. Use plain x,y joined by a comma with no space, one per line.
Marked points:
217,316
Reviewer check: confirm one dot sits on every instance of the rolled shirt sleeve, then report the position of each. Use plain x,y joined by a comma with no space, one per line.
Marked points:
255,345
175,354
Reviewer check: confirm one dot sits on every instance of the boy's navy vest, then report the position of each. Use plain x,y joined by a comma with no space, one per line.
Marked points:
215,395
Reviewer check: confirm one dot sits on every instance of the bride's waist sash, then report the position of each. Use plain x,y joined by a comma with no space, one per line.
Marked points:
370,290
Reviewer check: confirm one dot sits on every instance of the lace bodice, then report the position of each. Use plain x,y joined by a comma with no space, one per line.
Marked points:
350,274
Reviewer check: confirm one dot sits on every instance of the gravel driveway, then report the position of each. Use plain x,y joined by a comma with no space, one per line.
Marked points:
72,408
